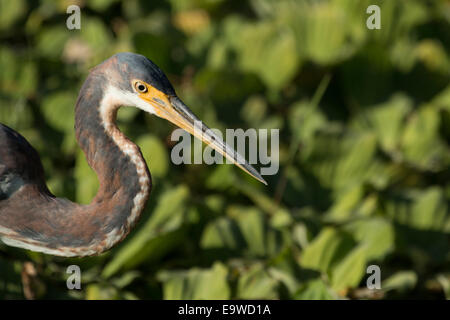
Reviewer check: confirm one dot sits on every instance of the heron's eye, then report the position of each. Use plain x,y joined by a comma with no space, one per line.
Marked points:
140,87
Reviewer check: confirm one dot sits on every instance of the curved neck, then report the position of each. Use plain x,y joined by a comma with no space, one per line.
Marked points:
34,219
124,178
117,161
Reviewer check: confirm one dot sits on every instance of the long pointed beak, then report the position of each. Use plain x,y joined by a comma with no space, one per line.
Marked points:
174,110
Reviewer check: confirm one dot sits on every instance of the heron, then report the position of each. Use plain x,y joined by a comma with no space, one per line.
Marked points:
32,218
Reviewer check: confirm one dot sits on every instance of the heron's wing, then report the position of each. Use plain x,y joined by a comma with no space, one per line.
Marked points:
19,163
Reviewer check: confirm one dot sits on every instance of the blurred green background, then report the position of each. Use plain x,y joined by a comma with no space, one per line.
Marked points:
364,119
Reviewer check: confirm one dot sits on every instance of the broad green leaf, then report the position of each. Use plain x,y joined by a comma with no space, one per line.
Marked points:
217,55
329,246
125,279
95,33
51,41
421,143
10,12
155,154
421,223
58,110
401,55
442,100
300,234
19,75
341,161
285,269
156,236
432,53
253,228
265,203
196,284
321,31
246,229
254,110
28,79
305,120
444,281
350,270
17,115
387,121
345,204
269,43
221,178
430,211
426,210
222,233
257,283
286,277
87,181
126,115
260,239
101,292
314,290
377,235
400,281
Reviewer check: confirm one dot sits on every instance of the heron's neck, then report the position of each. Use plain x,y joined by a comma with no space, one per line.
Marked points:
123,175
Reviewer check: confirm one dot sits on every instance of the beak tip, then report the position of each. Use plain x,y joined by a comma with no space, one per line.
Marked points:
259,178
188,123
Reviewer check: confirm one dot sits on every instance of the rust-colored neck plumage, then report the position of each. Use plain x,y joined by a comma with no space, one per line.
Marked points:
123,175
38,221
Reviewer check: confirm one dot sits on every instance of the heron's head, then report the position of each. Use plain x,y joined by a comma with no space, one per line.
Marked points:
139,82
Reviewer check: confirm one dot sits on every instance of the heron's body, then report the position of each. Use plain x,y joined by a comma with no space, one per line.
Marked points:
32,218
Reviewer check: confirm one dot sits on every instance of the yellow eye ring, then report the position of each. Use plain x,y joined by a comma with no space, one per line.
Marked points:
140,86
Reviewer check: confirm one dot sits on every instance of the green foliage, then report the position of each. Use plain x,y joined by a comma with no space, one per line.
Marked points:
196,284
364,119
156,236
